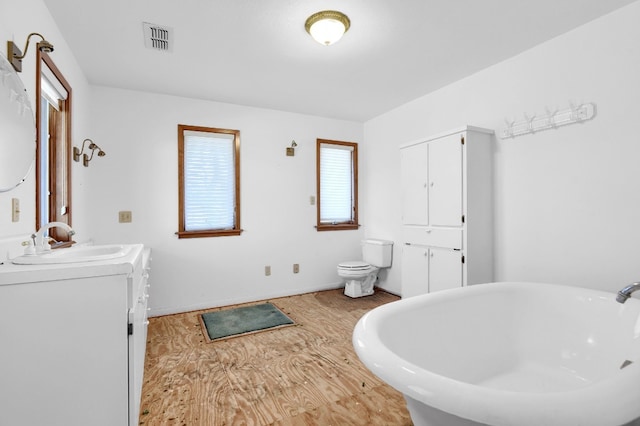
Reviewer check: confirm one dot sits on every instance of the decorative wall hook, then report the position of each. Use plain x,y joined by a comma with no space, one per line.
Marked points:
85,157
551,120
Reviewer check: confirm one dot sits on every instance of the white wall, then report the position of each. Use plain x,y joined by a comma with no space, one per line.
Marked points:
565,206
566,201
17,20
138,132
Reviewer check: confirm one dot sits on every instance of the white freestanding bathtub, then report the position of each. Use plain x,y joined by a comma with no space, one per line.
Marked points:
509,354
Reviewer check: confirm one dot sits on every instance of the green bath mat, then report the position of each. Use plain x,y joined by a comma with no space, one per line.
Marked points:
244,320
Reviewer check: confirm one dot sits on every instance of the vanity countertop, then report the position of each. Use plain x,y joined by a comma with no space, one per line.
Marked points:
11,274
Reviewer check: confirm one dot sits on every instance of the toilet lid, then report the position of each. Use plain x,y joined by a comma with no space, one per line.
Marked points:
354,265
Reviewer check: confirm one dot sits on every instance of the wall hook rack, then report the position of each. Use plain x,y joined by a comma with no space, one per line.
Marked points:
550,120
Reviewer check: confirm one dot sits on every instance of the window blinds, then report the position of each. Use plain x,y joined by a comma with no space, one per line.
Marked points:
336,183
209,181
51,88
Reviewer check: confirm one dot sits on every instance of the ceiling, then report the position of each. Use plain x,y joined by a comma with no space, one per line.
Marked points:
257,53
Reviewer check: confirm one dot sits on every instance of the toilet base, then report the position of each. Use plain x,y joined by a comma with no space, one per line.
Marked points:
360,288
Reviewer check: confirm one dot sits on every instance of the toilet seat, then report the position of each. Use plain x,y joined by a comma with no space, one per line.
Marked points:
355,268
354,265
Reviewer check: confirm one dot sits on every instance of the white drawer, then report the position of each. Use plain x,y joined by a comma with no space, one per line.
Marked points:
435,237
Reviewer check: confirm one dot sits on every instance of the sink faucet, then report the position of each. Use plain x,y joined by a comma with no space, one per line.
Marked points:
41,243
626,292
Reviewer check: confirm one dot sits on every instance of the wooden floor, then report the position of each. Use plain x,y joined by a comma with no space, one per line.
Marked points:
306,374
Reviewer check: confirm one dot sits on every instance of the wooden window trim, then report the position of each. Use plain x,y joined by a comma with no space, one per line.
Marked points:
55,168
182,233
343,226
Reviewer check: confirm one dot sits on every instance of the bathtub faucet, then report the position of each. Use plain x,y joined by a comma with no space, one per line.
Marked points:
626,292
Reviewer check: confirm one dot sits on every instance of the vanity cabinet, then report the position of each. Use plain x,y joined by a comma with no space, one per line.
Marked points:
72,343
447,221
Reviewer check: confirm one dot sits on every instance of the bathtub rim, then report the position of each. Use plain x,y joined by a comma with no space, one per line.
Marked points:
493,406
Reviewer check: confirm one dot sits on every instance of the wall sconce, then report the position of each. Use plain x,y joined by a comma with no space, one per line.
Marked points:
85,158
291,151
15,56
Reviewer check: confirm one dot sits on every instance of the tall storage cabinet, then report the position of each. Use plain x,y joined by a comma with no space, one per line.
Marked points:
447,217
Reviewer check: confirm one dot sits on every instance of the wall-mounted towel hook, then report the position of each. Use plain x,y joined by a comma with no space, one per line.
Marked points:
508,131
552,119
529,121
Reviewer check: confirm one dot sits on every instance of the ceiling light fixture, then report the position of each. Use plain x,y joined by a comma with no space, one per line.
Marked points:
328,26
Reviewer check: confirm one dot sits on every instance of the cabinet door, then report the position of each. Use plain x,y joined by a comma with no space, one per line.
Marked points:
445,181
415,271
413,169
445,269
75,372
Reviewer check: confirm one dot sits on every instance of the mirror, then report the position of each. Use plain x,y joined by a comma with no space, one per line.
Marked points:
17,129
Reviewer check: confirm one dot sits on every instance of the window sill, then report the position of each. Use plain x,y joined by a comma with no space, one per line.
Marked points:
337,227
206,234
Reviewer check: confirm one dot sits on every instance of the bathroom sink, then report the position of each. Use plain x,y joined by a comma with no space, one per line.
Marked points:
85,253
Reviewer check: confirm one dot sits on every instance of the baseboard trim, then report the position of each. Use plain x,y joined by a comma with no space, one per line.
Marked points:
170,310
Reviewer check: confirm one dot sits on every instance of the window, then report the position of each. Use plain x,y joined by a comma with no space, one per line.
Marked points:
337,185
209,182
53,149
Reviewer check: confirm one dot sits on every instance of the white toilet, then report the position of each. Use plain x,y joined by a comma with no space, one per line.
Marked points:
361,275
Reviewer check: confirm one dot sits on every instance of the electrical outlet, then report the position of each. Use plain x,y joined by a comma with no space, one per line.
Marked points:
267,270
15,210
296,268
124,216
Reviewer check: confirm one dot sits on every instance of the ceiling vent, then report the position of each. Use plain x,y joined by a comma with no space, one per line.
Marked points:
157,37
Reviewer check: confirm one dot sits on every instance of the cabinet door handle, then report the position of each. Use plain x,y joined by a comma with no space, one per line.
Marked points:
432,184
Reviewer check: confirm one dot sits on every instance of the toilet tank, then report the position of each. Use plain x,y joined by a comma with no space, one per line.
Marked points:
377,252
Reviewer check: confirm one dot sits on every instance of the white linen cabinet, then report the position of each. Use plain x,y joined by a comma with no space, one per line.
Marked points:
447,215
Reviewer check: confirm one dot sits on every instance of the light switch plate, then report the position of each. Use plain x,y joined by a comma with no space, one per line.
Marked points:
15,210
